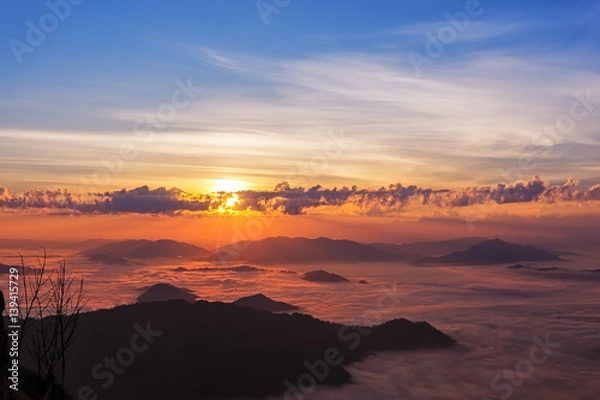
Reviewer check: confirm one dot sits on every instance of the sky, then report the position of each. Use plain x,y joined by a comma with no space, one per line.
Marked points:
150,107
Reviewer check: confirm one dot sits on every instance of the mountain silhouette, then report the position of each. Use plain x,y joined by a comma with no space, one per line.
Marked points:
164,248
239,268
166,291
323,276
432,248
517,266
262,302
5,269
494,251
178,350
302,250
275,250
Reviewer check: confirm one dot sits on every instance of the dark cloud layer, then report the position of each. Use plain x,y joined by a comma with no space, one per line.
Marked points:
294,201
143,200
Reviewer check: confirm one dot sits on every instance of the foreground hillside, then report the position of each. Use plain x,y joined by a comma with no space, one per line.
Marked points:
175,349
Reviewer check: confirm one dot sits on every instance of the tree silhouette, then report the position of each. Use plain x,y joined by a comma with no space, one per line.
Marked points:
51,304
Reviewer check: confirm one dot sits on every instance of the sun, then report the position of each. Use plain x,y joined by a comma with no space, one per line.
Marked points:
228,203
232,201
228,185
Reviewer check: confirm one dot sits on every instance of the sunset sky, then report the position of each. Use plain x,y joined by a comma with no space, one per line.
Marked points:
458,110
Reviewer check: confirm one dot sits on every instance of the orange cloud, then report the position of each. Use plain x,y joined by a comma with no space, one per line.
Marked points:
284,199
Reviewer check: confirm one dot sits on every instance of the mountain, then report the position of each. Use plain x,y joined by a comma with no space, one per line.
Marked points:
147,249
5,269
262,302
495,251
323,276
302,250
239,268
166,291
208,346
431,249
517,266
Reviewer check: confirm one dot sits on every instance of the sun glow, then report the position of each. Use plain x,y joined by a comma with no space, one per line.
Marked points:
232,201
228,202
228,185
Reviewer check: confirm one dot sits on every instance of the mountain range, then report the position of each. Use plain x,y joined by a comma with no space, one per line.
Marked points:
302,250
285,250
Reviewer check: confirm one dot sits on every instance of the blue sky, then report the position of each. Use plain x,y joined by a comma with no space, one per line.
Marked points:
271,90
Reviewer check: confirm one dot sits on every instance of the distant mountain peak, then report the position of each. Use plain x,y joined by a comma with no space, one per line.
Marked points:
258,296
166,291
494,251
143,248
261,302
323,276
496,242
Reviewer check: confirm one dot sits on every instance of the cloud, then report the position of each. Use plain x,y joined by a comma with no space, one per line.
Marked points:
284,199
471,31
143,200
37,199
462,120
476,30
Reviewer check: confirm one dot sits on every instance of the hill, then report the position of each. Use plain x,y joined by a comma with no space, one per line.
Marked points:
323,276
206,347
5,269
146,249
495,251
262,302
433,248
302,250
166,291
